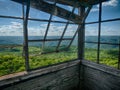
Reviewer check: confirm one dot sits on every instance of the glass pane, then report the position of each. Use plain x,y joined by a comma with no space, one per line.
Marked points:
70,31
10,8
11,27
50,46
64,45
55,18
76,11
34,13
69,8
75,41
74,48
111,9
110,39
46,56
35,48
110,32
55,30
93,14
91,33
36,29
11,46
91,52
109,55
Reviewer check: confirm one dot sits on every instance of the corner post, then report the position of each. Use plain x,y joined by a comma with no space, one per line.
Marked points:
81,35
25,31
81,40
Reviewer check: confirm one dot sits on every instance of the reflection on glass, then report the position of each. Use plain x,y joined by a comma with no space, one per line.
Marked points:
64,45
70,31
50,46
55,30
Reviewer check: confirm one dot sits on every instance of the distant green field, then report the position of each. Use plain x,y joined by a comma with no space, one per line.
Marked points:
107,56
11,60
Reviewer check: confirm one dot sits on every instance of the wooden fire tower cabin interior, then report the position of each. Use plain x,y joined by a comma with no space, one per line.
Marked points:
59,45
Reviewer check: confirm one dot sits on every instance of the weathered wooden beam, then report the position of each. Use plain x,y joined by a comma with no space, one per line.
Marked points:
25,32
99,33
60,12
85,3
81,35
49,8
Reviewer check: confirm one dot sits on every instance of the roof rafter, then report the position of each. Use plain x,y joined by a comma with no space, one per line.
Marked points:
44,6
85,3
49,8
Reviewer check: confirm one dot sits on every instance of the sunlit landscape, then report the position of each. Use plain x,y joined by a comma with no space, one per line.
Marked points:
45,53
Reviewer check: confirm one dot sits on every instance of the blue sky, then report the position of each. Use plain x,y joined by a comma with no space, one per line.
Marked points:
12,27
110,10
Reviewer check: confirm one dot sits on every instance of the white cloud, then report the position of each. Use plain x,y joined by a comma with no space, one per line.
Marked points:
54,30
105,30
15,29
91,33
12,29
111,3
2,32
95,9
16,25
